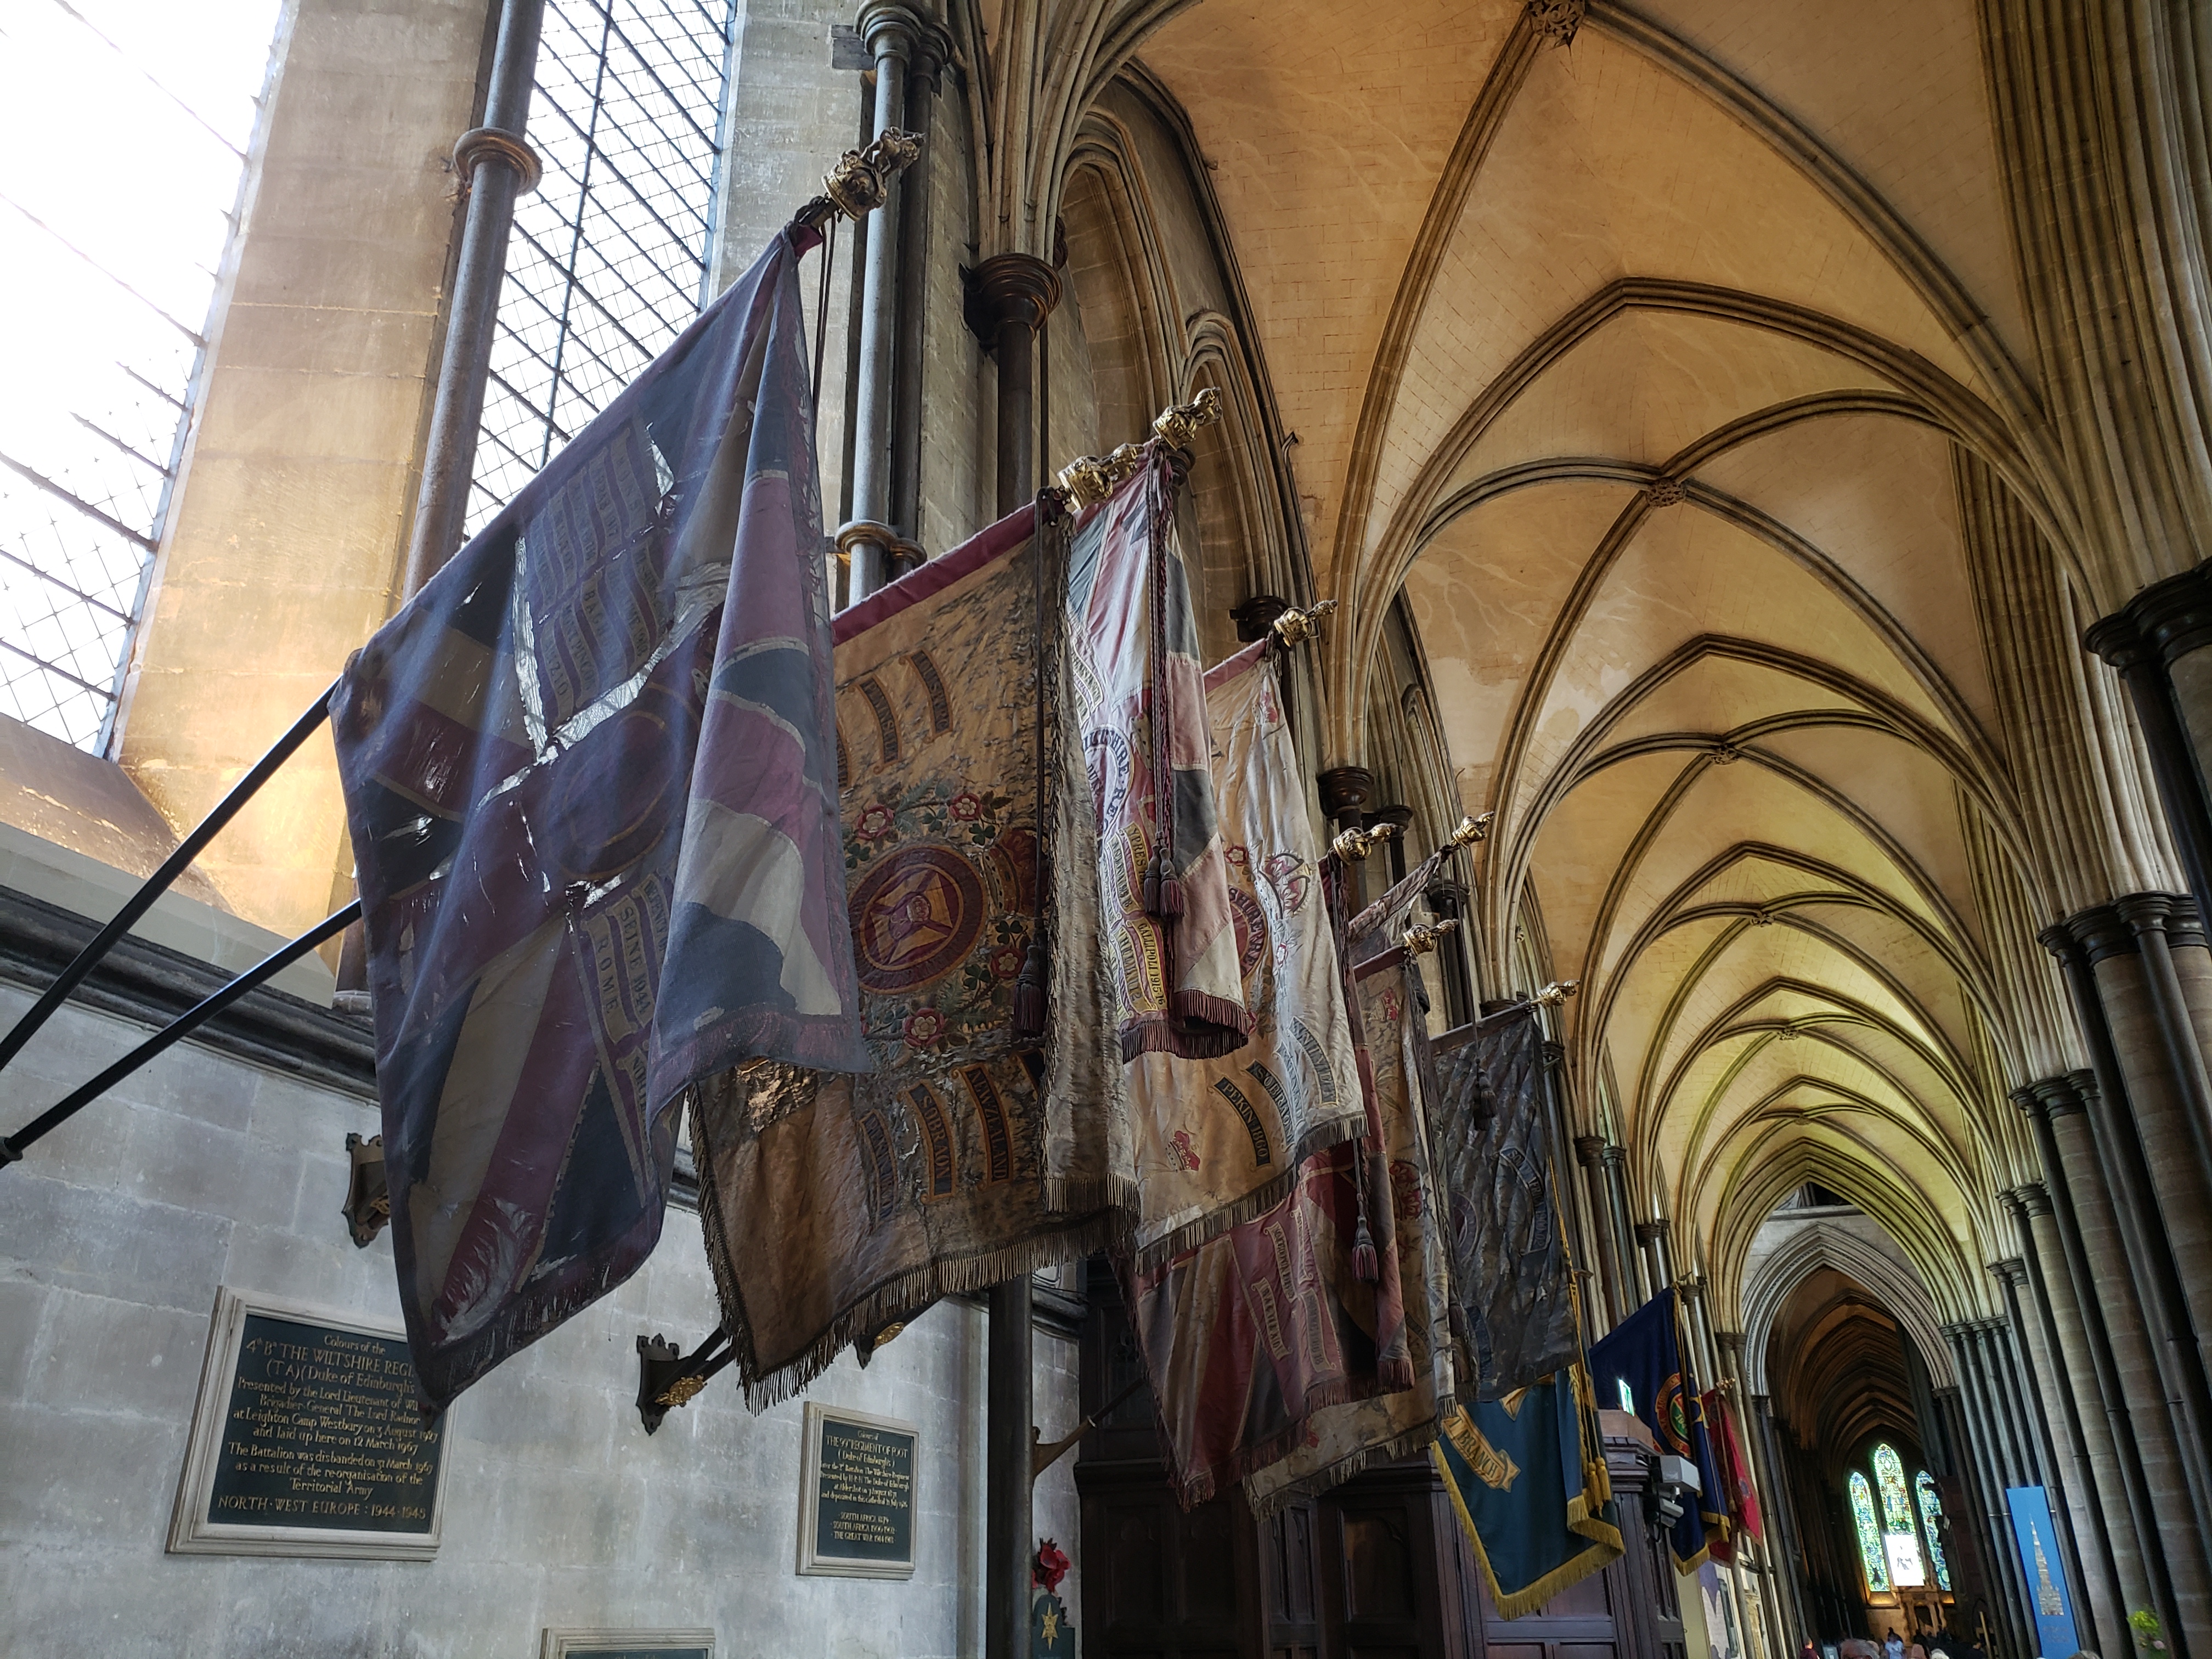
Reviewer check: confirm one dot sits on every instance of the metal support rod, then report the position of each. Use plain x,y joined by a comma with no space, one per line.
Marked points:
176,1031
449,453
156,885
931,49
889,30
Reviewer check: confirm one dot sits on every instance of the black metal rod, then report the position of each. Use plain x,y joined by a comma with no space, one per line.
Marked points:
156,885
449,453
11,1148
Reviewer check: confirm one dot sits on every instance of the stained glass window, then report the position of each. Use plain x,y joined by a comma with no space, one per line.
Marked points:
1900,1542
1931,1513
1870,1552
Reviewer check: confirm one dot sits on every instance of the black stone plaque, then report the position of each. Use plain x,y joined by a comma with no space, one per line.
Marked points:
864,1494
322,1433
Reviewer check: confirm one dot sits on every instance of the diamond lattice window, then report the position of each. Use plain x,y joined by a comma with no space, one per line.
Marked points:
608,261
111,245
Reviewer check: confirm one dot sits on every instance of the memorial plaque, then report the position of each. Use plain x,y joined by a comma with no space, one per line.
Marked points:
857,1500
628,1644
307,1440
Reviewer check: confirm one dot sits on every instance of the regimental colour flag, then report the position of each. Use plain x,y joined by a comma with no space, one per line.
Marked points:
590,773
974,1148
1512,1284
1527,1476
1643,1354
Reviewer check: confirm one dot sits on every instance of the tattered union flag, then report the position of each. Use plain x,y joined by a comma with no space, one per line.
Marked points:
591,774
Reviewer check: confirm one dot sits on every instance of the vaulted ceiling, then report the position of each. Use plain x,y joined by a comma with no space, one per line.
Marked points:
1665,371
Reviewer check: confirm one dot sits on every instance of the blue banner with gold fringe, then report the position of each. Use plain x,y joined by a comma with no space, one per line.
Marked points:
1527,1475
1645,1353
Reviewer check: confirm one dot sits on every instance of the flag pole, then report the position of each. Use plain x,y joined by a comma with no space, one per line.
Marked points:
11,1146
157,883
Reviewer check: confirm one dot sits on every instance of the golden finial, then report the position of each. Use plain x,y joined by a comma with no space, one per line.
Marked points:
1354,845
1179,423
1419,941
1556,993
1090,479
1296,627
1471,830
861,180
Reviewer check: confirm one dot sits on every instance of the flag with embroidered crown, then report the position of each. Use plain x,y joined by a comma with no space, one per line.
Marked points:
589,771
985,1139
1643,1357
1248,1333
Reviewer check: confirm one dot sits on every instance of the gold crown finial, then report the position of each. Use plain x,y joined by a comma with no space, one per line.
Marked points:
1471,830
1179,423
1296,627
861,180
1354,845
1419,941
1556,993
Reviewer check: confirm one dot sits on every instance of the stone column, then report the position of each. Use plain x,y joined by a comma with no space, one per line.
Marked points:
867,540
2081,1443
1986,1453
1589,1153
2158,643
2077,1309
1652,1236
1634,1290
1345,792
932,49
1010,295
2057,1451
2135,1108
2147,1428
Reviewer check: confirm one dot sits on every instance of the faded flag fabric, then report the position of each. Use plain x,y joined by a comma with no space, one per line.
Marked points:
1742,1497
1161,881
1340,1441
590,760
1512,1284
1218,1141
968,1153
1526,1474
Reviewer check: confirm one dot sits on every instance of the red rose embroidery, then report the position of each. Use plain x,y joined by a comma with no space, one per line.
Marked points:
1005,961
923,1027
965,807
876,823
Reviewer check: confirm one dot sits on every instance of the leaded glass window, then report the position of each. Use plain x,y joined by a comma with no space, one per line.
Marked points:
1900,1542
1871,1559
608,260
1932,1515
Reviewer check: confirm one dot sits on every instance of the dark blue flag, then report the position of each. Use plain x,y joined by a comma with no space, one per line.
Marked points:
1645,1353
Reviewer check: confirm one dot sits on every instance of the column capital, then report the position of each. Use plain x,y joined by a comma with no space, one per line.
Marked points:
1616,1155
1590,1150
1731,1342
1652,1232
2034,1198
2080,1089
2012,1270
890,29
2145,911
1009,288
2171,619
1344,790
2098,932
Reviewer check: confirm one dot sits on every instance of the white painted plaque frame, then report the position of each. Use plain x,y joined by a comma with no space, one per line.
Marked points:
558,1644
810,1494
190,1533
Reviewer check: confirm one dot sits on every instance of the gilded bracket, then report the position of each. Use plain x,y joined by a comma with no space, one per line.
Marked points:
1419,941
1354,845
861,180
1556,993
1296,627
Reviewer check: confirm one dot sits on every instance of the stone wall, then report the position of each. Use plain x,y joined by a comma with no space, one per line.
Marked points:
201,1171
